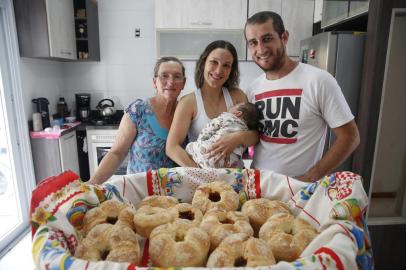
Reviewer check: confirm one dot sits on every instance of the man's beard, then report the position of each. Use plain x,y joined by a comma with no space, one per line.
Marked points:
279,60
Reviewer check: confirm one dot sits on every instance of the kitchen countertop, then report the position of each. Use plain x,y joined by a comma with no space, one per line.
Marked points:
66,128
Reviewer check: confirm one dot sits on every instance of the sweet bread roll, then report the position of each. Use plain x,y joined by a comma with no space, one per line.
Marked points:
148,217
109,242
107,212
219,224
240,250
171,246
158,201
217,195
259,210
287,236
187,216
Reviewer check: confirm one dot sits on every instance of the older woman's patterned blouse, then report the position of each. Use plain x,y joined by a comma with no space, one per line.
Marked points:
148,149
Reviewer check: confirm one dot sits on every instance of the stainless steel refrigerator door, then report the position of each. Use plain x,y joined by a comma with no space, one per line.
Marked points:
320,51
341,54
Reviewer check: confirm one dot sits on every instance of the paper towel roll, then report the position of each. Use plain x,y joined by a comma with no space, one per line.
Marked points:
36,121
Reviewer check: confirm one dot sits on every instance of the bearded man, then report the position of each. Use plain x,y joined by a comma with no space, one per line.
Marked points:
298,102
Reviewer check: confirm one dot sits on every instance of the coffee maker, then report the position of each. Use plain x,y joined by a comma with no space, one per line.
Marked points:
42,107
83,107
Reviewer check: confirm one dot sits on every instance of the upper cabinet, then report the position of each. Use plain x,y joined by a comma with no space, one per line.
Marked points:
337,11
87,30
48,29
297,16
197,14
45,28
196,23
60,28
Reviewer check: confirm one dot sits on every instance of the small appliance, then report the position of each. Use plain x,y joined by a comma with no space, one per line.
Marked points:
42,108
83,107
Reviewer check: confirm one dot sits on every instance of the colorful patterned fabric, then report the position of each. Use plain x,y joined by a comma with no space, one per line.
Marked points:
223,124
335,205
148,149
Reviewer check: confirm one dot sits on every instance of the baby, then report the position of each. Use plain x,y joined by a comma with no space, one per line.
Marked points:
240,117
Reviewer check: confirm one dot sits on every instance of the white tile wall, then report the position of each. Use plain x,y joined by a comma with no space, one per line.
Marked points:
126,67
41,78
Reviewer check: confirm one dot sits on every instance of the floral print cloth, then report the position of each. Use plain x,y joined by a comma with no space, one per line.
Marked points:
225,123
148,149
335,205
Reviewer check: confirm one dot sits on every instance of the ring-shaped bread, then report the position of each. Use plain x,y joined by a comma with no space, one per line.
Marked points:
218,195
259,210
219,224
187,216
171,246
109,242
158,201
239,250
287,236
148,217
107,212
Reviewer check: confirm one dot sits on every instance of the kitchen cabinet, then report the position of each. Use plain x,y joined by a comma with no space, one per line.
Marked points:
337,11
297,16
53,156
358,7
197,23
87,30
197,14
45,28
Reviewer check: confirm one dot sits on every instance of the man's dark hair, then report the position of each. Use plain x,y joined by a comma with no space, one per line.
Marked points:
263,16
250,114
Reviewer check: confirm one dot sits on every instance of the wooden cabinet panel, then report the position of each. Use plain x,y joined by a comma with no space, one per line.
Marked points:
61,28
47,29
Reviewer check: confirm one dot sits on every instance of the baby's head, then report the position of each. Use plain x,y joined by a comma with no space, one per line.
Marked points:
248,112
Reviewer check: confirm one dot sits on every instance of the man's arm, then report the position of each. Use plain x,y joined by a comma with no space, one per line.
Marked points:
346,142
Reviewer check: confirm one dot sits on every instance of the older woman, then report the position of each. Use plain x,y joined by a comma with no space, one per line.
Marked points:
144,127
216,77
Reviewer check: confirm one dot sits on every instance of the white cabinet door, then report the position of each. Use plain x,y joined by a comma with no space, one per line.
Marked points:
261,5
207,14
61,28
297,16
69,152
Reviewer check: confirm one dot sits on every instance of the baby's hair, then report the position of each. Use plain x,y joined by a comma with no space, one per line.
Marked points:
250,114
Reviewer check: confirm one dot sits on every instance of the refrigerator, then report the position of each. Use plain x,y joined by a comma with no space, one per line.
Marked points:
341,54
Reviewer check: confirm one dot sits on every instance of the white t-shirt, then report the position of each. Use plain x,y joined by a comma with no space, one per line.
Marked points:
295,113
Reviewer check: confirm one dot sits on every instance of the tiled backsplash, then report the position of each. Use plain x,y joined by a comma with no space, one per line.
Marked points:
125,70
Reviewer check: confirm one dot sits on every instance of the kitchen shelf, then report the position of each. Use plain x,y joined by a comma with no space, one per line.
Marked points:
86,19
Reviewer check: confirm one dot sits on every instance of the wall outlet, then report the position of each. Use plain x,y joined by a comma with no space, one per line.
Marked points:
137,32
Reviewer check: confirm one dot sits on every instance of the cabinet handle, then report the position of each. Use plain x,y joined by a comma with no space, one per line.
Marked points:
68,53
201,23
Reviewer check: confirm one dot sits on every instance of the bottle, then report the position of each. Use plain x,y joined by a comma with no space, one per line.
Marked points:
36,121
62,107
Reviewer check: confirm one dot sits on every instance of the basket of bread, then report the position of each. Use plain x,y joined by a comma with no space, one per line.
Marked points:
198,218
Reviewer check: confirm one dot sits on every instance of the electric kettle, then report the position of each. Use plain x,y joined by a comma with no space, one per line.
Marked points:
42,107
